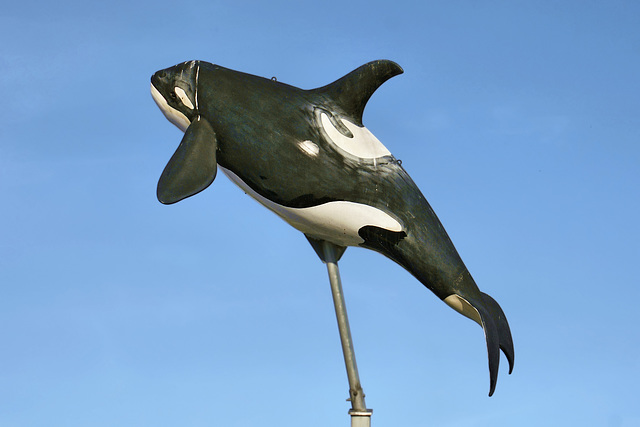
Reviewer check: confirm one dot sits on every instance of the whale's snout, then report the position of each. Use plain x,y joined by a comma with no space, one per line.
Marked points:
158,78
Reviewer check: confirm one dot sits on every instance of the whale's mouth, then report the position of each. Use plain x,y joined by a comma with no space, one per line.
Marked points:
157,96
173,115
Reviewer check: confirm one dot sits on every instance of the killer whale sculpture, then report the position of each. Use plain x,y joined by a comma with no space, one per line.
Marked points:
306,155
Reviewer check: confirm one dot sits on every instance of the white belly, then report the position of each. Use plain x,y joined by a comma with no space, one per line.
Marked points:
337,222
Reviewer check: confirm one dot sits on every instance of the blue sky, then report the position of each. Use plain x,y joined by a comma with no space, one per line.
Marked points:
520,122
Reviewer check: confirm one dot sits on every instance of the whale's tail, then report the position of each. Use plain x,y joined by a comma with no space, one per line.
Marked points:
488,314
498,336
428,254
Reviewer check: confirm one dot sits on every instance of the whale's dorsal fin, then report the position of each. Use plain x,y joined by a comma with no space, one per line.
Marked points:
351,92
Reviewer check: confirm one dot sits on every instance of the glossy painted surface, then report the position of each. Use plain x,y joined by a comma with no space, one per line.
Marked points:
306,156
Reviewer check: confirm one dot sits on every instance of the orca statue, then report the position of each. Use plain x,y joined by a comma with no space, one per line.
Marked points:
306,155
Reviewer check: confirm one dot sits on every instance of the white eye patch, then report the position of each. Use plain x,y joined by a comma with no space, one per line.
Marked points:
183,97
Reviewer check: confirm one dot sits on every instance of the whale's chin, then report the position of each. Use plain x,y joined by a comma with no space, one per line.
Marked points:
173,115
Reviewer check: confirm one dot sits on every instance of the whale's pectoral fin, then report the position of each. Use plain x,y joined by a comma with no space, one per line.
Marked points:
192,167
497,333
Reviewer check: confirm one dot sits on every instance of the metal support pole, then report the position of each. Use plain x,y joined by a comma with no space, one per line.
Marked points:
360,415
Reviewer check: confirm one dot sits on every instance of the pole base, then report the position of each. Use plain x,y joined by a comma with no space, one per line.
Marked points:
360,418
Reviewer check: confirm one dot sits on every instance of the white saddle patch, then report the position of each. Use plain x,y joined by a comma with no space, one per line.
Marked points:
337,222
363,144
173,115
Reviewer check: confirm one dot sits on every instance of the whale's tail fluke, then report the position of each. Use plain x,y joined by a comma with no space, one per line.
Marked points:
497,334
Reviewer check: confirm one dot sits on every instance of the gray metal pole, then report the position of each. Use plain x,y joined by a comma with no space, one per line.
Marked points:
360,415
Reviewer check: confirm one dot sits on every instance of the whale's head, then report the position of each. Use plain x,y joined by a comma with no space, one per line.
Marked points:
175,90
